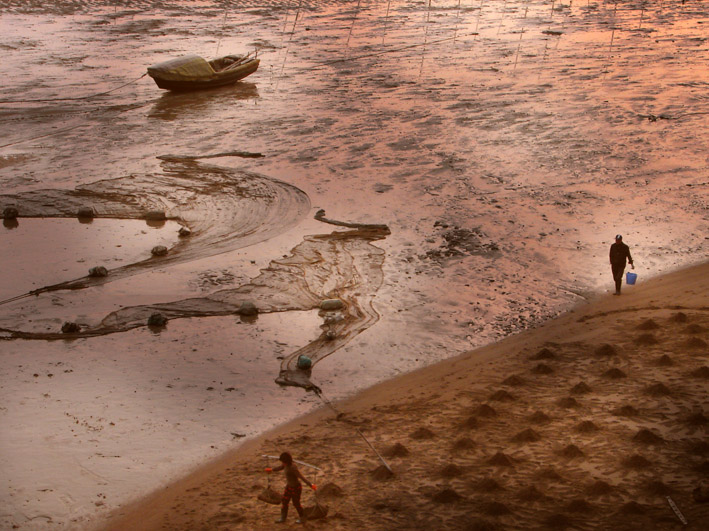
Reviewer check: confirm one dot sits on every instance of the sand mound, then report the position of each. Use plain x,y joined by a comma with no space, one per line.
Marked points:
525,436
479,524
393,506
396,450
495,508
680,317
422,434
514,381
487,485
544,354
701,492
648,324
485,411
542,368
645,436
632,507
381,473
703,467
701,372
657,390
470,423
568,402
579,505
614,374
695,329
502,396
539,417
599,488
657,488
665,361
696,343
697,419
587,426
580,388
571,451
451,471
446,496
698,448
530,494
549,474
330,490
501,459
606,350
646,339
464,443
635,461
625,411
558,521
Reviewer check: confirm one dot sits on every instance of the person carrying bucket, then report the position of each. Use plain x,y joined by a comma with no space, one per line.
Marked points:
293,487
619,253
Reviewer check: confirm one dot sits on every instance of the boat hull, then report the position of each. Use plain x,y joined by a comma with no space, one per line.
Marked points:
219,79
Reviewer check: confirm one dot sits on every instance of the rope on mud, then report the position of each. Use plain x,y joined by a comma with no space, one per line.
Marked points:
375,450
318,392
13,299
77,98
65,130
325,401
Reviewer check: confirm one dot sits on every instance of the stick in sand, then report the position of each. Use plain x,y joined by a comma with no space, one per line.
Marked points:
375,451
295,461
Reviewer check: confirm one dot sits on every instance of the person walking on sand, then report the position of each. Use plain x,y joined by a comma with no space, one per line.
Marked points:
293,487
619,253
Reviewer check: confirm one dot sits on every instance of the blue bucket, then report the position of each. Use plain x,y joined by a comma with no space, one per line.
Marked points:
630,278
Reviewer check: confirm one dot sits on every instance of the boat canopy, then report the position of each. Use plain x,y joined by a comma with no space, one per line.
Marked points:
186,68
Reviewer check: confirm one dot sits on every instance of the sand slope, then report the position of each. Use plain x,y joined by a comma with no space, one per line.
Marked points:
589,422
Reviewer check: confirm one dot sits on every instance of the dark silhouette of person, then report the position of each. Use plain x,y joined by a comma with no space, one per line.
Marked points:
293,487
618,255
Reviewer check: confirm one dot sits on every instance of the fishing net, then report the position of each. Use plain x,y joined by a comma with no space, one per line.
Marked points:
187,68
269,495
315,512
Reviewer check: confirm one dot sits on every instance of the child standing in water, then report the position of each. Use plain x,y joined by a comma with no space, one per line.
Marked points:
293,487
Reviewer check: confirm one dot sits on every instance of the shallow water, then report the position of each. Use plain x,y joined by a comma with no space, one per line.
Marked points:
504,144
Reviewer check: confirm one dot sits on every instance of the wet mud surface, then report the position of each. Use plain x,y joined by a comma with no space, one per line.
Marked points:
501,144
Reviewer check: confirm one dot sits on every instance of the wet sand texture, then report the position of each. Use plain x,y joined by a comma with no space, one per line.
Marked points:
525,462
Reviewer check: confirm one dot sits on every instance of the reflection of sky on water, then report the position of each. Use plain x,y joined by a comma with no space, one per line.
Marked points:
102,242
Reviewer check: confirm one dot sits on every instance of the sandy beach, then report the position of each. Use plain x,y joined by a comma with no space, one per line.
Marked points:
452,171
593,421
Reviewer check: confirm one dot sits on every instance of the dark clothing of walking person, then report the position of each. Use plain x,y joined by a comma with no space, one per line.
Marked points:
293,487
618,255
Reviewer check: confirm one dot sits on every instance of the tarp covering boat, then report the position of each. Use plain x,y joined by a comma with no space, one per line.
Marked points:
186,68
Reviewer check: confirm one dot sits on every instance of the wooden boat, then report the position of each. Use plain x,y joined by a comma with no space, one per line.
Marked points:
192,72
